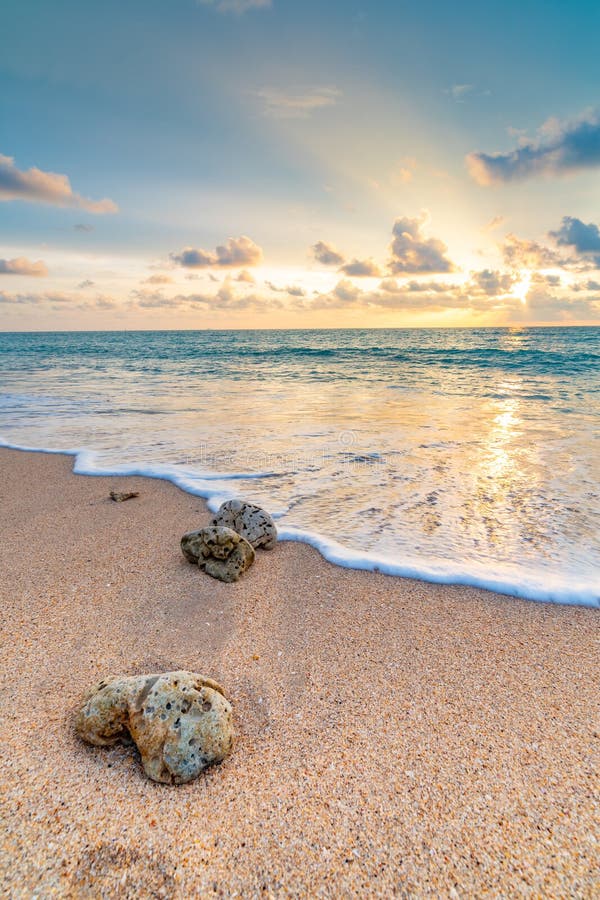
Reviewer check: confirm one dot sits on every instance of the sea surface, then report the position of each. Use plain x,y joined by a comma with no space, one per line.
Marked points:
454,455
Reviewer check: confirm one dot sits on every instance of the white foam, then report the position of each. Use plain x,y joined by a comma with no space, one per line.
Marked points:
519,582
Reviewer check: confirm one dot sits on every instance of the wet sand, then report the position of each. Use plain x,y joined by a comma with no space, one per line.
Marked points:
395,738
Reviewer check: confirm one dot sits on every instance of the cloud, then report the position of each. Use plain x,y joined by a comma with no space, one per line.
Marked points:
225,298
412,252
18,299
287,105
344,294
519,253
416,287
394,296
236,6
402,172
543,305
575,233
548,280
22,266
294,290
35,186
240,251
458,92
58,300
327,254
494,223
582,242
590,285
493,283
145,298
559,148
487,293
361,268
246,276
102,303
158,279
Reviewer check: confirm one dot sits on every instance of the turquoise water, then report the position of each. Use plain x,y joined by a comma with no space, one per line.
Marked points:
455,455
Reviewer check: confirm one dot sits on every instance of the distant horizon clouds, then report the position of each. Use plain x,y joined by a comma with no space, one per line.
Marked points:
560,147
241,251
35,186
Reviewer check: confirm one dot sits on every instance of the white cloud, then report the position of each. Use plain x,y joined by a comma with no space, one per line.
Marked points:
492,283
403,171
158,279
246,276
22,266
35,186
458,92
327,254
294,290
297,104
494,223
361,268
412,252
240,251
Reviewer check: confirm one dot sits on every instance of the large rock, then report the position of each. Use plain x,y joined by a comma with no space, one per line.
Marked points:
252,522
181,722
221,552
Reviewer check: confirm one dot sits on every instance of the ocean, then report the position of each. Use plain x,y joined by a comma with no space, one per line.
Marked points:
453,455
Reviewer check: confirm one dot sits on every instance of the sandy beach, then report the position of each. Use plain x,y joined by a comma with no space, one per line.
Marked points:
394,738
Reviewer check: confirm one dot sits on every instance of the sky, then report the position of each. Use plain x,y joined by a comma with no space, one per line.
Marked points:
286,164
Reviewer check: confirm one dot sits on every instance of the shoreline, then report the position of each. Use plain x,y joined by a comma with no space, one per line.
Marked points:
395,737
330,550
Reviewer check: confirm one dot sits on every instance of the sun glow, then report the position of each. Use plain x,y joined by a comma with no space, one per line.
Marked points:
521,289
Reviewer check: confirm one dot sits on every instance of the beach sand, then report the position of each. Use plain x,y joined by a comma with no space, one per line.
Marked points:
394,738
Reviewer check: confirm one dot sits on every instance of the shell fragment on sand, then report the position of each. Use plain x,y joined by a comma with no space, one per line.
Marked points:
250,521
221,552
121,496
181,722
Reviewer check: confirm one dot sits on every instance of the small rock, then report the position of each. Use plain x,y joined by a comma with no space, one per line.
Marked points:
252,522
120,496
181,722
221,552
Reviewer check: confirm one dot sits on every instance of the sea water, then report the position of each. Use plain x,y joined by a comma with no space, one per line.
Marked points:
454,455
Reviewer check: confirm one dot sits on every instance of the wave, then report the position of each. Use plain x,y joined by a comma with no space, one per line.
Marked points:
521,582
144,355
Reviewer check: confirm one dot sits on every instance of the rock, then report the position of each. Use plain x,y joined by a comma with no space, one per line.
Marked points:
221,552
120,496
181,722
252,522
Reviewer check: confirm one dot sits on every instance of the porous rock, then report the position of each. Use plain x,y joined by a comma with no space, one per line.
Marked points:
220,551
121,496
181,722
252,522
